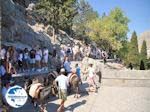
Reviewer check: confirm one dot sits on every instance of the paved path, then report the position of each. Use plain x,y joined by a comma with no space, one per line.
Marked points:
108,99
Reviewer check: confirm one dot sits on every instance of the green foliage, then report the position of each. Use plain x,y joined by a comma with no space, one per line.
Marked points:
142,65
144,51
112,29
123,52
148,63
133,54
85,15
58,13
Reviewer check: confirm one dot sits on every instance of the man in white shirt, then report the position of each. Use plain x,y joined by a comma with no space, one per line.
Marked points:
63,84
45,58
2,53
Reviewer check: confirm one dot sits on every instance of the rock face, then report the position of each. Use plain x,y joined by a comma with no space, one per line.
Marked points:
145,36
18,25
21,24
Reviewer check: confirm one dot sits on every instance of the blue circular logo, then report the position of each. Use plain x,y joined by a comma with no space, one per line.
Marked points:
16,96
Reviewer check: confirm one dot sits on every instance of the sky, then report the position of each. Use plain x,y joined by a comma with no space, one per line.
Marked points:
138,12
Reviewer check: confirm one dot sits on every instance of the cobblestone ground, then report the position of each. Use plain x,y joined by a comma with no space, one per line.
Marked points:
108,99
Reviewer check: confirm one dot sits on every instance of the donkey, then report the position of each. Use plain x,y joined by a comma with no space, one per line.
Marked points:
74,84
40,87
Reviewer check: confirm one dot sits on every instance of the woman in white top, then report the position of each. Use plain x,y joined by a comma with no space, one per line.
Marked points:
2,53
45,58
38,58
91,78
62,55
20,61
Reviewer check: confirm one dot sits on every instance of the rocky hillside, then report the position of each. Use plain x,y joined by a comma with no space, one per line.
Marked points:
20,25
145,36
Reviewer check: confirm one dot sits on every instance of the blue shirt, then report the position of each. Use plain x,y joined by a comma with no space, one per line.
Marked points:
67,66
78,71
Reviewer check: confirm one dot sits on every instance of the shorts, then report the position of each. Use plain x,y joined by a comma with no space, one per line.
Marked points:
37,58
26,61
63,94
32,61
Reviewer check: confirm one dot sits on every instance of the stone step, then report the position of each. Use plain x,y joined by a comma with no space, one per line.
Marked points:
126,82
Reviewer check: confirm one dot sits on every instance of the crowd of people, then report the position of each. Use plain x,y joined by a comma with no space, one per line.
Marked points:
23,60
13,61
78,52
64,80
36,59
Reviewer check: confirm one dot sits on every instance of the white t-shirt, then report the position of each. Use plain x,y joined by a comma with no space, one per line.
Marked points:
38,55
2,53
63,81
45,53
7,55
26,55
62,53
91,72
20,57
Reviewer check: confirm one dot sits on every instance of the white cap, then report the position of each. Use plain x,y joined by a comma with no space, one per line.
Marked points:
62,70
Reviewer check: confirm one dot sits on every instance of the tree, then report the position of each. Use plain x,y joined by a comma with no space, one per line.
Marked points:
58,13
142,65
123,52
144,51
109,30
133,54
119,24
85,15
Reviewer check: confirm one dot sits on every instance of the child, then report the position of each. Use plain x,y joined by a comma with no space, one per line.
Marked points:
78,72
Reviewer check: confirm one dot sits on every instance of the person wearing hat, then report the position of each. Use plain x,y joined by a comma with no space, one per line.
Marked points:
63,84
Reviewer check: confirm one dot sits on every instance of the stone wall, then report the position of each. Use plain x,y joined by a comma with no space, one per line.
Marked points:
116,77
126,78
18,27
